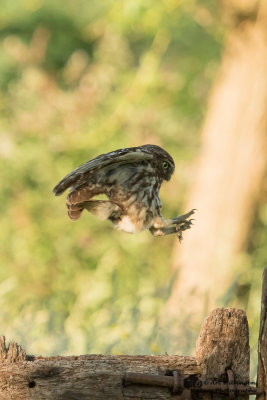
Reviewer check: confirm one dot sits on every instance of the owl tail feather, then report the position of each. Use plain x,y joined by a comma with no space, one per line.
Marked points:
74,202
74,214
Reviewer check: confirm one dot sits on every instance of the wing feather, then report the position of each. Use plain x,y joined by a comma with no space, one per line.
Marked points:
79,176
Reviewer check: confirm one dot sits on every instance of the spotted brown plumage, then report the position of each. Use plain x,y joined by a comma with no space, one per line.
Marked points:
131,179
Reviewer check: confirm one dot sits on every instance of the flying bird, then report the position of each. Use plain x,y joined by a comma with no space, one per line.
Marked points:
131,179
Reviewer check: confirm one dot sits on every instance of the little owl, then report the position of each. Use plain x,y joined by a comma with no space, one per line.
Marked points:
131,179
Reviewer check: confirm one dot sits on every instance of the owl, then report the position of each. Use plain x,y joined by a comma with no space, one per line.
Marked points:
130,178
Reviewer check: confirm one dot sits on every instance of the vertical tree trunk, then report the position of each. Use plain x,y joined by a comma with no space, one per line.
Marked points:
262,347
229,175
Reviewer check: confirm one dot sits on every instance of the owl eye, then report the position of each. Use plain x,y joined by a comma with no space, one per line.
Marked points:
165,165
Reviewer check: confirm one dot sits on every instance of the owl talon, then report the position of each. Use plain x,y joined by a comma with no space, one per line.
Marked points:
186,225
181,219
180,228
180,237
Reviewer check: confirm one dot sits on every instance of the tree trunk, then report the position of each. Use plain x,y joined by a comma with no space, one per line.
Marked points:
262,348
228,183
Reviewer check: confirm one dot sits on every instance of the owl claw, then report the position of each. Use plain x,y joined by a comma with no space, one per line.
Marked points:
182,219
175,225
180,237
180,227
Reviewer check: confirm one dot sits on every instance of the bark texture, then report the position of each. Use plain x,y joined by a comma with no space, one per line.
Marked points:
97,377
223,345
224,337
262,350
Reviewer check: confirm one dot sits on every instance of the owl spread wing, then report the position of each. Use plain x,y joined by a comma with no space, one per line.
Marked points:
90,179
79,177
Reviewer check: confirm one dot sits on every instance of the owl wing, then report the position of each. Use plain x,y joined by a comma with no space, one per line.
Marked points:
80,176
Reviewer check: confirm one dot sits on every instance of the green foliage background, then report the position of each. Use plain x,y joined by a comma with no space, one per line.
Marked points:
77,79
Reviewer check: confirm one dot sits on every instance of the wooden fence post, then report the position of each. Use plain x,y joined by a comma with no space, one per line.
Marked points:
262,348
223,346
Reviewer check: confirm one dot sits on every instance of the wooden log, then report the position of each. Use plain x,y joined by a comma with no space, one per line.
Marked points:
223,345
262,348
96,377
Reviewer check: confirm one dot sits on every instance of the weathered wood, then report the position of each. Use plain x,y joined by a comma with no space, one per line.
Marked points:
97,377
262,349
12,353
222,345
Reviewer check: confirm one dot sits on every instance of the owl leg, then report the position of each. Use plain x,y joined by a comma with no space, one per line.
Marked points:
178,229
163,227
159,222
102,209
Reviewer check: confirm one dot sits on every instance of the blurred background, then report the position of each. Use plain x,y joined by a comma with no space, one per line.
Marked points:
81,78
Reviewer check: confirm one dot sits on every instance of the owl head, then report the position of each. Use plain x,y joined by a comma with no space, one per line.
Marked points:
162,161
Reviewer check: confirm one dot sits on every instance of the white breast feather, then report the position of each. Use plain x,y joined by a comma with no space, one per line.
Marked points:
126,225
